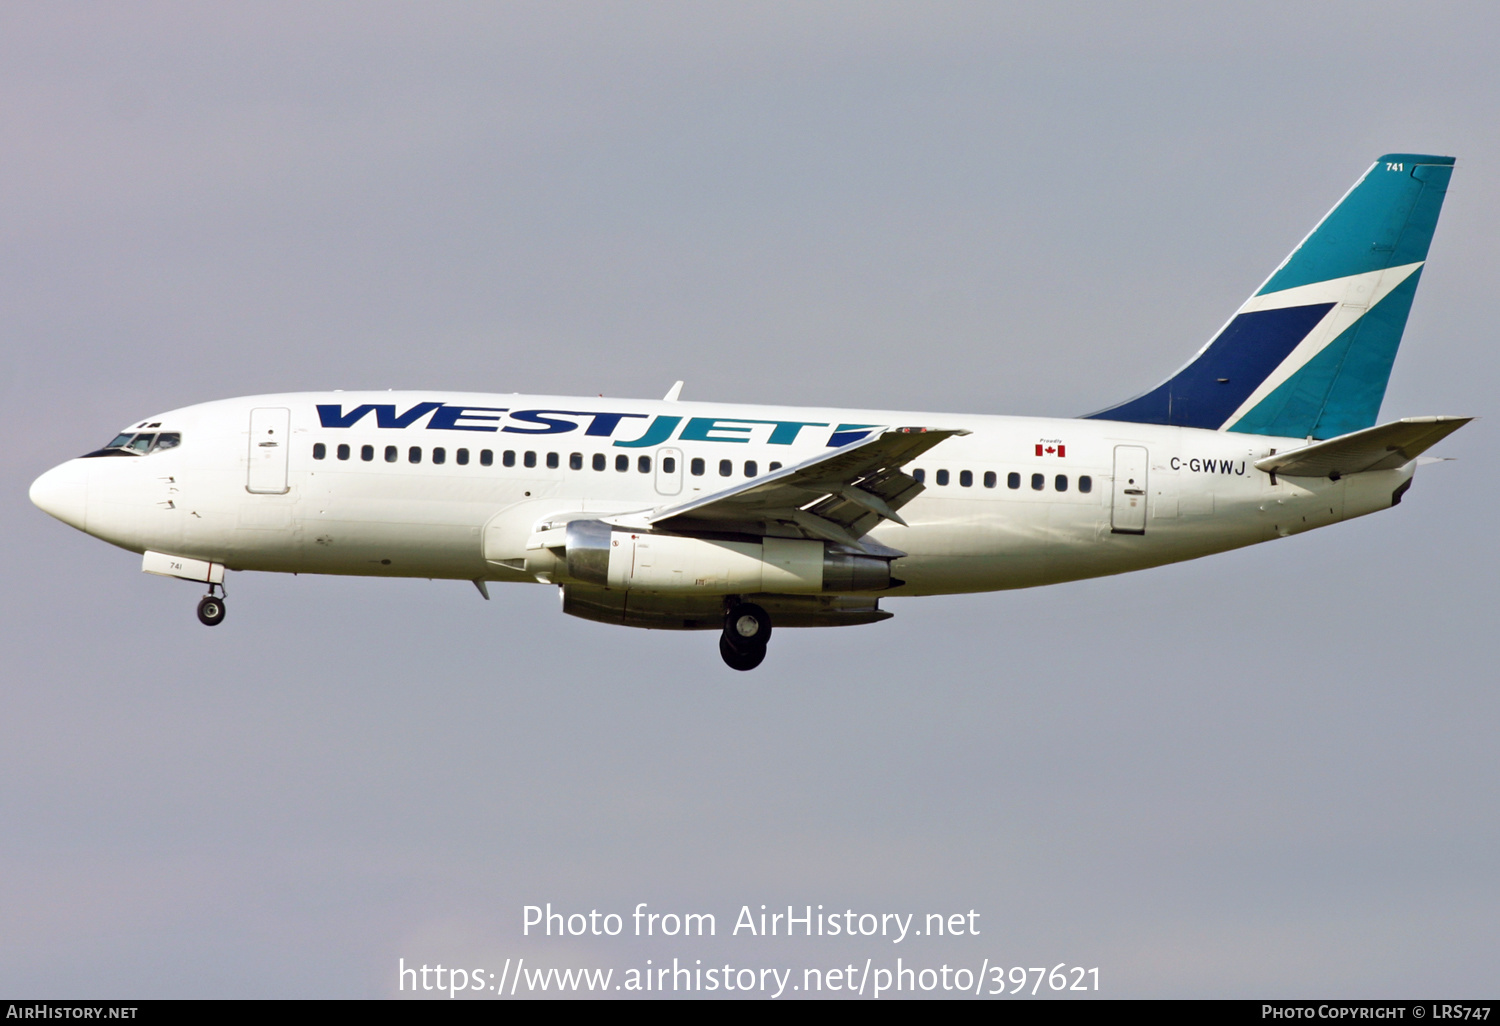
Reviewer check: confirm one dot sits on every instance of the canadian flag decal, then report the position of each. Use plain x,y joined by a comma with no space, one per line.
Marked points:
1051,447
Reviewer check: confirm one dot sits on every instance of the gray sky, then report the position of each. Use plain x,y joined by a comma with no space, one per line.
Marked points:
1272,772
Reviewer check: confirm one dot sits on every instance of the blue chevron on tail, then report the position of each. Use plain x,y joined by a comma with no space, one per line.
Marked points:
1309,355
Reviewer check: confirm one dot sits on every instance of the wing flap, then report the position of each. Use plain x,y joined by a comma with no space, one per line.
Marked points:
836,496
1383,447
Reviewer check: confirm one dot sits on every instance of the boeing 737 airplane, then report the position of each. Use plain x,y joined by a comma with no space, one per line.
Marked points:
706,516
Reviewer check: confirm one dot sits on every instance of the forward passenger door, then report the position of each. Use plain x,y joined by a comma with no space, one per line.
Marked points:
270,435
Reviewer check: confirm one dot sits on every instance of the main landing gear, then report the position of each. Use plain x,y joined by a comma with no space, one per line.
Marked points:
747,628
211,607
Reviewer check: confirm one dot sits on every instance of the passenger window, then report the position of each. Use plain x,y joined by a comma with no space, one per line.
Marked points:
529,459
575,461
461,457
989,479
966,478
343,452
622,463
643,464
167,440
726,468
942,477
439,455
669,464
1012,480
600,462
486,458
919,475
1085,484
1038,482
367,453
552,463
141,443
414,454
319,450
390,454
751,469
508,457
696,467
773,468
1060,482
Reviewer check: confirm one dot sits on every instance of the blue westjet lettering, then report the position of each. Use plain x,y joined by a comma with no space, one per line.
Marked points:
545,420
660,429
385,415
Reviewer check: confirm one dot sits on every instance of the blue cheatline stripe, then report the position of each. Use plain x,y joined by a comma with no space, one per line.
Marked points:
1341,388
1205,392
1386,220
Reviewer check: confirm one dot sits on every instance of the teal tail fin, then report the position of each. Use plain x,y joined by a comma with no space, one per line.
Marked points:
1309,355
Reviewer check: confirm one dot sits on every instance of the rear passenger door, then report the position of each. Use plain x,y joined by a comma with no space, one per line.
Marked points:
1128,512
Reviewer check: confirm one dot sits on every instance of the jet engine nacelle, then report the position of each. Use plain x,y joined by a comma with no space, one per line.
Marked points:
596,553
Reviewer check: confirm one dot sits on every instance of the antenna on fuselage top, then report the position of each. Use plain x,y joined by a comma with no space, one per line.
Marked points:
673,393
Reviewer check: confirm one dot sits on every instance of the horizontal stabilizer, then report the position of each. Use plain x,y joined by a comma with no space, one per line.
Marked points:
1384,447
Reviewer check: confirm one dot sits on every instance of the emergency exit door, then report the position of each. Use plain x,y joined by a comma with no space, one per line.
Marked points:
270,431
1128,514
668,471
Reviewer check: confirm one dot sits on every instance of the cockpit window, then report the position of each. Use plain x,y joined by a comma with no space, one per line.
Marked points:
132,443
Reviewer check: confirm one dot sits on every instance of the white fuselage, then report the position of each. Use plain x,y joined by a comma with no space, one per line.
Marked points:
1153,495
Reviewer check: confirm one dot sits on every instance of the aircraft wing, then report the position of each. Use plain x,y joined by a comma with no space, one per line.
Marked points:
1383,447
836,496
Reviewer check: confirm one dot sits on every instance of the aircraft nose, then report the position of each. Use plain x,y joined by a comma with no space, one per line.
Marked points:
62,492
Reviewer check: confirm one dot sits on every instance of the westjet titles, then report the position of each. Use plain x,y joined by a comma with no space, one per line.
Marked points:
451,417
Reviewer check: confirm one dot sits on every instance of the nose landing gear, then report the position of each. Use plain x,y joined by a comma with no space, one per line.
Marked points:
747,628
211,607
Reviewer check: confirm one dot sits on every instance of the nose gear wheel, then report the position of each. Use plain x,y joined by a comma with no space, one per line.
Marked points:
210,611
211,606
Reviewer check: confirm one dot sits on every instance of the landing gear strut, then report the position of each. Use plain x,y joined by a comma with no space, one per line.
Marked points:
211,607
747,628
